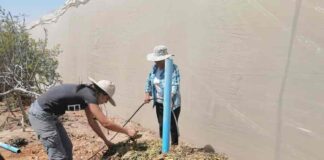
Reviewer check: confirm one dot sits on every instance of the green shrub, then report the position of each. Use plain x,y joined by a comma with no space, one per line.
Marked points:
27,67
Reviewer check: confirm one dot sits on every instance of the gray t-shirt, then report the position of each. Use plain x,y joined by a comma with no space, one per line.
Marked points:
67,97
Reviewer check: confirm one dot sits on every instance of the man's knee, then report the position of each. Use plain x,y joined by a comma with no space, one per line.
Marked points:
57,154
69,152
53,146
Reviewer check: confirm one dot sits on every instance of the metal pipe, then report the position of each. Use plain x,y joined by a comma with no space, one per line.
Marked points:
9,147
118,132
167,105
278,143
176,121
129,119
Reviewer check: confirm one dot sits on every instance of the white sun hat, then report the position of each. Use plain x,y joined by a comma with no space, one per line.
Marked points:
106,86
160,53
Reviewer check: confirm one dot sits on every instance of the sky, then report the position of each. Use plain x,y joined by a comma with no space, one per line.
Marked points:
33,9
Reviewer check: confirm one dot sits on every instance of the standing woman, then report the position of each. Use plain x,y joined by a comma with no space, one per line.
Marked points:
154,89
44,113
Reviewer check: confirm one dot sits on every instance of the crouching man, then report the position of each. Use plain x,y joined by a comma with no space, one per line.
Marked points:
44,113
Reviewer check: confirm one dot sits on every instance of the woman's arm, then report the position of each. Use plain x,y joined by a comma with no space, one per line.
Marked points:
148,89
93,109
147,97
175,80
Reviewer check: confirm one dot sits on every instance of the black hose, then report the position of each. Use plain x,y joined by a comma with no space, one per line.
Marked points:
175,118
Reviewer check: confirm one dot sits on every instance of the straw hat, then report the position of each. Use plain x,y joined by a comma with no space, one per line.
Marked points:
106,86
160,53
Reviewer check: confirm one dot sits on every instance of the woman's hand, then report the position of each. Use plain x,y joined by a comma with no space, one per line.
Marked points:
147,98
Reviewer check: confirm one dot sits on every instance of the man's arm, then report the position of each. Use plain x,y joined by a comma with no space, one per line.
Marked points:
93,109
96,128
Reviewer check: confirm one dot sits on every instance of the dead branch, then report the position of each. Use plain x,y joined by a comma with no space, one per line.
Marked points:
34,94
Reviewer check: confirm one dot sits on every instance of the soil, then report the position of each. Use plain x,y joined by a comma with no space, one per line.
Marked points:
87,144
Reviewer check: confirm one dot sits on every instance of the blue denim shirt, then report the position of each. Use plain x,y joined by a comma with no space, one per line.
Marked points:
175,85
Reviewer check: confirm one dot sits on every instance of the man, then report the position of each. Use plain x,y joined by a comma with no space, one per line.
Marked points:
44,113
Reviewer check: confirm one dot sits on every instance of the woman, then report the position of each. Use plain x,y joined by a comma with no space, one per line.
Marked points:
154,88
44,113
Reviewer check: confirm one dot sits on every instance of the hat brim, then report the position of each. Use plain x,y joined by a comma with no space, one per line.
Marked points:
111,100
151,57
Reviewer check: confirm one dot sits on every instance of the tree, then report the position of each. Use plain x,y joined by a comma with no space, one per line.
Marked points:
27,67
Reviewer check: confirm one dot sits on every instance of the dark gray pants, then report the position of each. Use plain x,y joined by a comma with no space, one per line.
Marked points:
174,122
51,133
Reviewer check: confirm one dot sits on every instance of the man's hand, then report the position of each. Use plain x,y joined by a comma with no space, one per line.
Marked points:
131,133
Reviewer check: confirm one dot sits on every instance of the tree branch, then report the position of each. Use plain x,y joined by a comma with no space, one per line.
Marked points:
20,90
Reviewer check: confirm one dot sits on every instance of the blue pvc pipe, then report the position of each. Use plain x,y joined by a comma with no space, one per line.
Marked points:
9,147
167,105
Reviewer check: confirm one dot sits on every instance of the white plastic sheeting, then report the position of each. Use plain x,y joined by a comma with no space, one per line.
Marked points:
232,56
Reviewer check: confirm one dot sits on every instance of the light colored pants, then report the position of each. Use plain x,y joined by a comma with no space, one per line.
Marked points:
51,133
